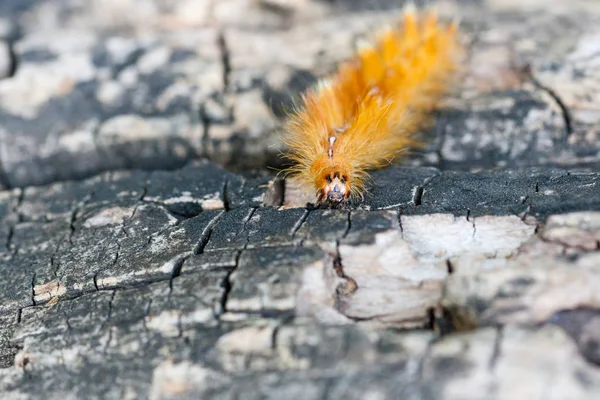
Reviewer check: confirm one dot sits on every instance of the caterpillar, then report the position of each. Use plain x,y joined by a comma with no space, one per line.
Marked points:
368,112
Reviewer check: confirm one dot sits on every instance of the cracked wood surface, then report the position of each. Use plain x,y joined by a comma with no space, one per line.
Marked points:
450,280
158,284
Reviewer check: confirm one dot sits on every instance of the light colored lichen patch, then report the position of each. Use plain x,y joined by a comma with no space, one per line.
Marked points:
108,282
171,380
48,290
316,297
131,128
108,216
538,280
166,322
580,229
393,286
439,236
397,278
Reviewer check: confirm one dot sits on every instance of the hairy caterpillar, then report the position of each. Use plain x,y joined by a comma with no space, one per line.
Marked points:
369,111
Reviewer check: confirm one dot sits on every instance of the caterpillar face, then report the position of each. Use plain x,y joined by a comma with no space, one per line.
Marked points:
333,187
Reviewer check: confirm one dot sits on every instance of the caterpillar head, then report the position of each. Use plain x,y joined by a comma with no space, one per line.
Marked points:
333,186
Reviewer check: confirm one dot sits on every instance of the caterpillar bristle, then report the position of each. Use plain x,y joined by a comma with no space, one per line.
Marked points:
366,115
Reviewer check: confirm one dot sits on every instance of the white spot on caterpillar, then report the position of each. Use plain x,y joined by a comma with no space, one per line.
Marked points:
374,91
330,152
332,139
342,129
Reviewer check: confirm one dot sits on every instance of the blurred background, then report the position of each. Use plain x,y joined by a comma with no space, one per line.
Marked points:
94,85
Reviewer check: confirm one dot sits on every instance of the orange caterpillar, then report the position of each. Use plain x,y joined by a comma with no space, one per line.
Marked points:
370,109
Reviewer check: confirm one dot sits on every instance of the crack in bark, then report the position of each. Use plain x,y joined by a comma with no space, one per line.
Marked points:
179,325
68,323
226,285
198,249
497,350
246,220
348,226
144,192
226,195
106,322
419,190
343,289
525,213
441,321
472,221
13,62
527,199
33,303
176,271
564,109
417,196
300,222
116,260
205,123
274,336
400,223
179,216
225,59
207,233
74,212
226,282
54,264
449,266
110,305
